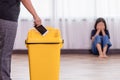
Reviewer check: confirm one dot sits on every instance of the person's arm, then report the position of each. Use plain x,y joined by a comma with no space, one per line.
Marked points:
28,5
103,32
97,33
106,33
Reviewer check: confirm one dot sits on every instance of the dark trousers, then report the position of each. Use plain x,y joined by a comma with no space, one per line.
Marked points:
7,37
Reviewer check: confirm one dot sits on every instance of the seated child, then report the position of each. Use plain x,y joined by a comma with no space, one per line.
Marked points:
100,38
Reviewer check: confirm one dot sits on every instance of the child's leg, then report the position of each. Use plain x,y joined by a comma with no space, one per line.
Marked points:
99,48
105,50
106,45
96,46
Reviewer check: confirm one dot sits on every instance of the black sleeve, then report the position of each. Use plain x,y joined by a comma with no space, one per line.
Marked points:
92,33
107,33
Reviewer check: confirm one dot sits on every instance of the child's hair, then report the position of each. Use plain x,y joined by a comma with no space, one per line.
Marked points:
100,20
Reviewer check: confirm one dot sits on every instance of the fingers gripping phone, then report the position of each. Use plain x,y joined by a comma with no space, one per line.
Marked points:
41,29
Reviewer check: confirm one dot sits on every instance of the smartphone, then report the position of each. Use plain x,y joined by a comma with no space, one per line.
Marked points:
41,29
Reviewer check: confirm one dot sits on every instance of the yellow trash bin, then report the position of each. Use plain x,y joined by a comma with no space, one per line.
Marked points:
44,54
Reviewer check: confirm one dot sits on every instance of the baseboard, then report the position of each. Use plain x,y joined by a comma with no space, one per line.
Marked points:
20,51
75,51
86,51
71,51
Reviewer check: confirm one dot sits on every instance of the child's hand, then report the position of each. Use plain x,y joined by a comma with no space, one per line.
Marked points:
98,27
102,28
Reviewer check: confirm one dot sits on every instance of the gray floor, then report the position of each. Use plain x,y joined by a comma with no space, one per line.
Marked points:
74,67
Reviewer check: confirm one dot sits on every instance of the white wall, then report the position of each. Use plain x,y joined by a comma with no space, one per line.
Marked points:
74,18
76,33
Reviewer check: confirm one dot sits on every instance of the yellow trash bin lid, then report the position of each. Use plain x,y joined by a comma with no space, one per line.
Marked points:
53,36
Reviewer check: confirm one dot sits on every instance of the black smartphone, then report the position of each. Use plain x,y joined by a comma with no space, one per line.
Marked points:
41,29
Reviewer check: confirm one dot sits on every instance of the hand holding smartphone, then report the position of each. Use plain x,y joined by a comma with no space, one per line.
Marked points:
41,29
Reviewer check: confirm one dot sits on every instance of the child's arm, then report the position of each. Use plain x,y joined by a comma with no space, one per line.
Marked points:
97,33
106,33
103,32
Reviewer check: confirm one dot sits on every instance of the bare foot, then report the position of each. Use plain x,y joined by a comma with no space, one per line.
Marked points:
105,56
101,56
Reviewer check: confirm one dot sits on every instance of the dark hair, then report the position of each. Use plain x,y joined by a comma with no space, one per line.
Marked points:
100,20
